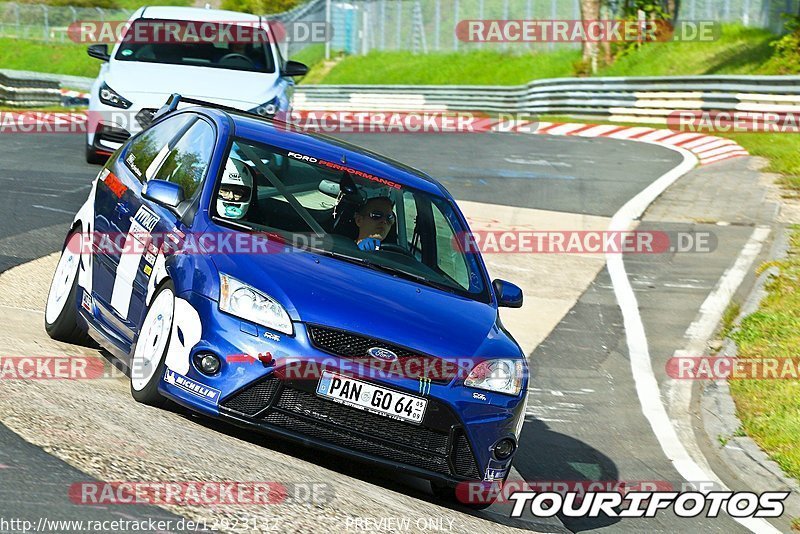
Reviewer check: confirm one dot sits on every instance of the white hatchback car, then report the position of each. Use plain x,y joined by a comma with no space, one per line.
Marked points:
141,73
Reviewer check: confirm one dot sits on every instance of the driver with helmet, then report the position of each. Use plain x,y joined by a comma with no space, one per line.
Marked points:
235,190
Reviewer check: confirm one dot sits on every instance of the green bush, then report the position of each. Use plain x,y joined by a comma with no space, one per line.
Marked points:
786,55
260,6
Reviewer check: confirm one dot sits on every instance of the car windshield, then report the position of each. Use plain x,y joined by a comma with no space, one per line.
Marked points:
330,207
180,42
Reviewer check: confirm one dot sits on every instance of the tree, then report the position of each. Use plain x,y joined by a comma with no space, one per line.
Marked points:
590,10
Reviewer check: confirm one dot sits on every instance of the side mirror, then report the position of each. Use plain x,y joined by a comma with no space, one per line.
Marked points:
98,51
167,194
508,294
294,68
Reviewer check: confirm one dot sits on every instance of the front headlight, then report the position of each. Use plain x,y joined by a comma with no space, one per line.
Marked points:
501,376
110,97
247,302
267,109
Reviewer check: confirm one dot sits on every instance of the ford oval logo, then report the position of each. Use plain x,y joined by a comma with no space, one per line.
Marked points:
382,354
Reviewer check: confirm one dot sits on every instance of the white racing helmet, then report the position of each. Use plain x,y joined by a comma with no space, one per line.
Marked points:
235,190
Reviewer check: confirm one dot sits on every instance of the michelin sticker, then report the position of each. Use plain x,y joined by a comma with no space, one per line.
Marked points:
192,386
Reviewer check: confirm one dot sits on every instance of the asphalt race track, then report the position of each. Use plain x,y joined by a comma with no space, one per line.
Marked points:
584,420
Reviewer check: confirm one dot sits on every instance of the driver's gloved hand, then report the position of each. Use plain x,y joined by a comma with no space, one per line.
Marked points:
369,243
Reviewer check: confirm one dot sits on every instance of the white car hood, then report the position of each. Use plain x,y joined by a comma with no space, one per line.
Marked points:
149,84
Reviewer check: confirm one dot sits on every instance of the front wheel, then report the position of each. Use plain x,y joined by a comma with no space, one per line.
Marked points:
61,311
147,365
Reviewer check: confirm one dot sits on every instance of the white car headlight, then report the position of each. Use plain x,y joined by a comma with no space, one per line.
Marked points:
247,302
110,97
501,376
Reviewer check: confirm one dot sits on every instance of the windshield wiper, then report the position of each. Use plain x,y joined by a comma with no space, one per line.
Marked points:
391,270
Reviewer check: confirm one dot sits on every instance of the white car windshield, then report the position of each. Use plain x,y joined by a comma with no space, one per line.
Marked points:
180,42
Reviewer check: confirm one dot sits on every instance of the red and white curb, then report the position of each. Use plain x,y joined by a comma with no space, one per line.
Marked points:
69,93
707,148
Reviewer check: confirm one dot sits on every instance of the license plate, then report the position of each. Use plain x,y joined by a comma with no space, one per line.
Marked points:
371,398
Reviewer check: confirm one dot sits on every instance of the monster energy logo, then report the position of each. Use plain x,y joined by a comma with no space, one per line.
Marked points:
424,386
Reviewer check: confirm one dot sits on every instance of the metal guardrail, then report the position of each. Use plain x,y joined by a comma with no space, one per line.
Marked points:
645,99
630,99
27,92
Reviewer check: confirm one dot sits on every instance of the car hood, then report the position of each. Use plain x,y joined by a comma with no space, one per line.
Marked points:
144,83
326,291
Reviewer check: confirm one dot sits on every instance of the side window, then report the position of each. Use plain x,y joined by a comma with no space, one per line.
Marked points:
186,164
144,149
448,258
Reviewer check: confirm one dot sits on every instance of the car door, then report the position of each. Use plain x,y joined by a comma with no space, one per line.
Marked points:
185,163
122,224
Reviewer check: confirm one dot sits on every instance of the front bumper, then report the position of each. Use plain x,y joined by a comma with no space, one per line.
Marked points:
438,447
453,442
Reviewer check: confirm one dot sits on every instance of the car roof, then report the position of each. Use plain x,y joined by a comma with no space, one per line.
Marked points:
278,134
194,13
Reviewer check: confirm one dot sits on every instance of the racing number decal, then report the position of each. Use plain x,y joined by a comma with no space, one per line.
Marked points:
136,243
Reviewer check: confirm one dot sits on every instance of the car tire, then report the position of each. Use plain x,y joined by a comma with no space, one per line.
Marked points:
447,493
93,157
61,321
147,363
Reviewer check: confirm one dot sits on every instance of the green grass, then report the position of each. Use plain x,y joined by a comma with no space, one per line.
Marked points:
782,151
479,67
310,55
770,409
738,50
728,317
56,58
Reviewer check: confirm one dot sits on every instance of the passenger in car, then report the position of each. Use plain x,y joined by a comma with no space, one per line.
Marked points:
374,219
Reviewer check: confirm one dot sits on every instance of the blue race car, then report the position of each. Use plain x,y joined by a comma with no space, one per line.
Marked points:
297,285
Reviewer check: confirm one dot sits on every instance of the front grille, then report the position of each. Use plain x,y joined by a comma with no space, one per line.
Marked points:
114,135
253,399
304,403
438,444
145,117
355,346
463,460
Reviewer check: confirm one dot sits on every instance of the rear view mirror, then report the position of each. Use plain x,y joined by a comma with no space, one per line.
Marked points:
294,68
332,189
98,51
508,294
